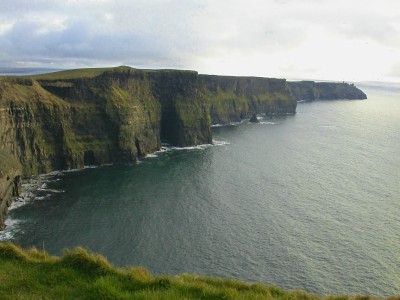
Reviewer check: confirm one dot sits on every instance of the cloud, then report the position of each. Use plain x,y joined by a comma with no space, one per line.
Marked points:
258,37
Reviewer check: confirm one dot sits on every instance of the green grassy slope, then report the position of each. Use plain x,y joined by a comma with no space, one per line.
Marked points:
78,274
72,74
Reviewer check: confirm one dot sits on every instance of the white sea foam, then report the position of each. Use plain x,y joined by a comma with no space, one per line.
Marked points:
266,123
36,188
167,147
202,146
71,170
219,143
12,226
198,147
51,190
18,202
42,197
230,124
91,167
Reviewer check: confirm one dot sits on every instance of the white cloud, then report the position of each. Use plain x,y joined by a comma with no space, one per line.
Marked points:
341,39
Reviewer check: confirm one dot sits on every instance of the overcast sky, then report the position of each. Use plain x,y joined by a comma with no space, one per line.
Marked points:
311,39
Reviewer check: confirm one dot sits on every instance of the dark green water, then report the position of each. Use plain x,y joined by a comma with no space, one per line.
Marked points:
309,201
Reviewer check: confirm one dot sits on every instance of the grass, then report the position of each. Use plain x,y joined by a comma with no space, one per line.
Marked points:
93,72
78,274
72,74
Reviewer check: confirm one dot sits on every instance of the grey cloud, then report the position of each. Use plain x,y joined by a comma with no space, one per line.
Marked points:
175,33
89,38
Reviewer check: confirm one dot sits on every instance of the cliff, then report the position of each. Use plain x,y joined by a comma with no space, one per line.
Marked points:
10,183
52,124
185,114
232,99
69,119
310,91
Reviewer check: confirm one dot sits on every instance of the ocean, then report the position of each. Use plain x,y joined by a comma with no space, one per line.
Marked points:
307,201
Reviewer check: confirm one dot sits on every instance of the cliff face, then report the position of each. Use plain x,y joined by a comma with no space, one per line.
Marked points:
69,119
74,118
233,98
52,124
310,91
10,183
185,116
48,125
112,117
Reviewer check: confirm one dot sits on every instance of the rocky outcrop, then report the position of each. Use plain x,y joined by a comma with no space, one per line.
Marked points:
310,91
254,119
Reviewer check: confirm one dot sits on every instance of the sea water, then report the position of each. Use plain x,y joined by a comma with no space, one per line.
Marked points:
308,201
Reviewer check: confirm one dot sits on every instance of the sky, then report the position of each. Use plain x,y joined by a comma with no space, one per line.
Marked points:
351,40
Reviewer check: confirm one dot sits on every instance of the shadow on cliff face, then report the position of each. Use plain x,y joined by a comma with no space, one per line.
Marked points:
89,159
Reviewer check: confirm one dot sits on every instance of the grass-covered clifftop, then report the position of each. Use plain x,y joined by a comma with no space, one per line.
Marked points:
78,274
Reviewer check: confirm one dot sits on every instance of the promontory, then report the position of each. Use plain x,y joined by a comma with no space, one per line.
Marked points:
68,119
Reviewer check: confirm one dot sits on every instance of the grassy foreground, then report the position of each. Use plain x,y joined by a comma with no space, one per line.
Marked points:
78,274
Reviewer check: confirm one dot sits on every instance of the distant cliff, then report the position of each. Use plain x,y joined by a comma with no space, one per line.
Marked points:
310,91
69,119
232,99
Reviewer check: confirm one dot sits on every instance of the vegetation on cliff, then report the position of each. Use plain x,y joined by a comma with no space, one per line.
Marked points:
232,99
78,274
310,91
68,119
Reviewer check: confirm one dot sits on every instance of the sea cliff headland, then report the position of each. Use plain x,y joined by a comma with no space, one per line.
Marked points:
68,119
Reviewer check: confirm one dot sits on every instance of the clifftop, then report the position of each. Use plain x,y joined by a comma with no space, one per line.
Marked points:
310,91
35,274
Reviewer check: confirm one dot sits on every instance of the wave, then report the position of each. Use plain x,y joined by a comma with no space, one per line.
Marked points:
168,148
220,143
246,121
202,146
18,202
12,226
266,123
229,124
36,188
51,190
91,167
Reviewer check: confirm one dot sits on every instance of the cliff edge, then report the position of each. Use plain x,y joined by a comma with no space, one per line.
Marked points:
311,90
68,119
